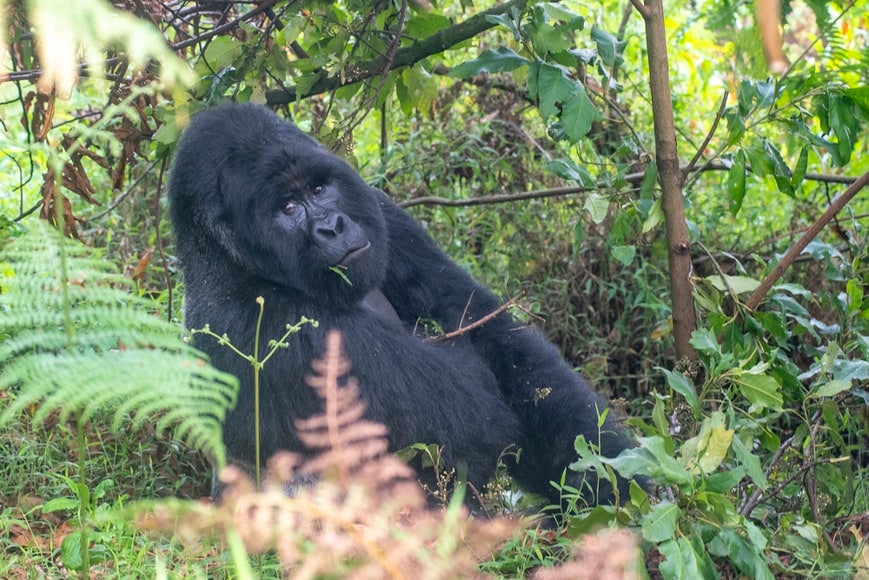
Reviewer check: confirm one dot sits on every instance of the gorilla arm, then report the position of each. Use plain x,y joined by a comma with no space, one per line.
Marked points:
552,401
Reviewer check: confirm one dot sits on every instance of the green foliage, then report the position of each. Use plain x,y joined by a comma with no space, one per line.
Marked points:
758,451
753,436
80,344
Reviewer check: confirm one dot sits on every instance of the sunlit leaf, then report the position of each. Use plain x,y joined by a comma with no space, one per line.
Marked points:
597,207
660,523
761,390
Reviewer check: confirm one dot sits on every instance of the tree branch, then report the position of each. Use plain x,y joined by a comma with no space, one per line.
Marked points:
813,230
632,178
477,323
434,44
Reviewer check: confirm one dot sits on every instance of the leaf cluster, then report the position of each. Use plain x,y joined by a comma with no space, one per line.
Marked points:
80,344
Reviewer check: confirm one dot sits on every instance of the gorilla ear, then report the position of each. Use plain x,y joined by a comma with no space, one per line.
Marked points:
211,211
226,239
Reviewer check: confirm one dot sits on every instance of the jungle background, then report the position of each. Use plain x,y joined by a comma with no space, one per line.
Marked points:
532,141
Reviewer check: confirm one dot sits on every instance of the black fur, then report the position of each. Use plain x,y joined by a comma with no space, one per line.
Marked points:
261,209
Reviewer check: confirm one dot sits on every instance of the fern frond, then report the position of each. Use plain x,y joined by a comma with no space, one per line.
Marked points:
80,343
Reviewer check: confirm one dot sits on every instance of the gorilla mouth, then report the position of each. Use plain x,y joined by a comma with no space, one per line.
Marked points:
353,254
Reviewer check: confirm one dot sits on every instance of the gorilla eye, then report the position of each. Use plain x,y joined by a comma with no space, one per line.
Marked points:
289,207
317,189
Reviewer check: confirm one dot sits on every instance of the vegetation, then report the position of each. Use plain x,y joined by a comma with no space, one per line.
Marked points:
700,255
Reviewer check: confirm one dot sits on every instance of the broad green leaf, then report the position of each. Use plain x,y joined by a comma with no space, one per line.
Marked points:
548,38
578,236
736,182
624,254
735,125
860,96
723,481
422,24
70,551
761,390
745,555
680,383
590,522
651,458
660,523
659,416
780,170
765,91
597,207
854,291
568,169
639,497
686,559
609,48
650,178
739,284
656,216
851,370
508,21
831,388
558,11
222,52
706,451
703,339
800,169
168,133
548,85
577,114
490,61
750,462
844,125
60,503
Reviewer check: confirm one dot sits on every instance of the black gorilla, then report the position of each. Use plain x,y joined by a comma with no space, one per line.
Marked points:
261,209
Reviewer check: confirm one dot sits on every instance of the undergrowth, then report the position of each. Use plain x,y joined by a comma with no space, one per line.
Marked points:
758,453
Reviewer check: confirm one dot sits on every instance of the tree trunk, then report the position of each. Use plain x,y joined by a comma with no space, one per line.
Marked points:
670,177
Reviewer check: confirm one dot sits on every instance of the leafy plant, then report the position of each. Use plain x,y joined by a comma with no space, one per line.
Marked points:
80,345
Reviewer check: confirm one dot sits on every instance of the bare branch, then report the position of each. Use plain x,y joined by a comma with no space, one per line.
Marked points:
709,135
813,230
631,178
477,323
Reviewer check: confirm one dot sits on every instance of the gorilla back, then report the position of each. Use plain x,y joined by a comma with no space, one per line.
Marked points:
262,210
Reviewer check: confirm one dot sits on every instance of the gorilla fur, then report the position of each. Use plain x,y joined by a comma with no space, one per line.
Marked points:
261,209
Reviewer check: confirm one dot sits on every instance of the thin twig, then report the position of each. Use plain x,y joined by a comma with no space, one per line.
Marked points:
709,135
754,500
477,323
124,195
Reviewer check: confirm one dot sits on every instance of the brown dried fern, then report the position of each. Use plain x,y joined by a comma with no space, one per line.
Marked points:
365,518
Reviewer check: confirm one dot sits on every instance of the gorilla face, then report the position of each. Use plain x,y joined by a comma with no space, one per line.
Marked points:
299,216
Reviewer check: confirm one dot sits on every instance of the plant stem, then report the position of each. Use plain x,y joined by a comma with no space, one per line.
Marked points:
83,500
256,369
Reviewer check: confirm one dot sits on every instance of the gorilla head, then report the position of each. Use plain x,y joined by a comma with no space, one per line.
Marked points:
279,205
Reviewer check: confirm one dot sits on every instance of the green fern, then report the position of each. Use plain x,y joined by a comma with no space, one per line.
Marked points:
80,343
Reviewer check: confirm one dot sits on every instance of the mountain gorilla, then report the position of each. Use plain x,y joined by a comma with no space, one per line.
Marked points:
261,209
